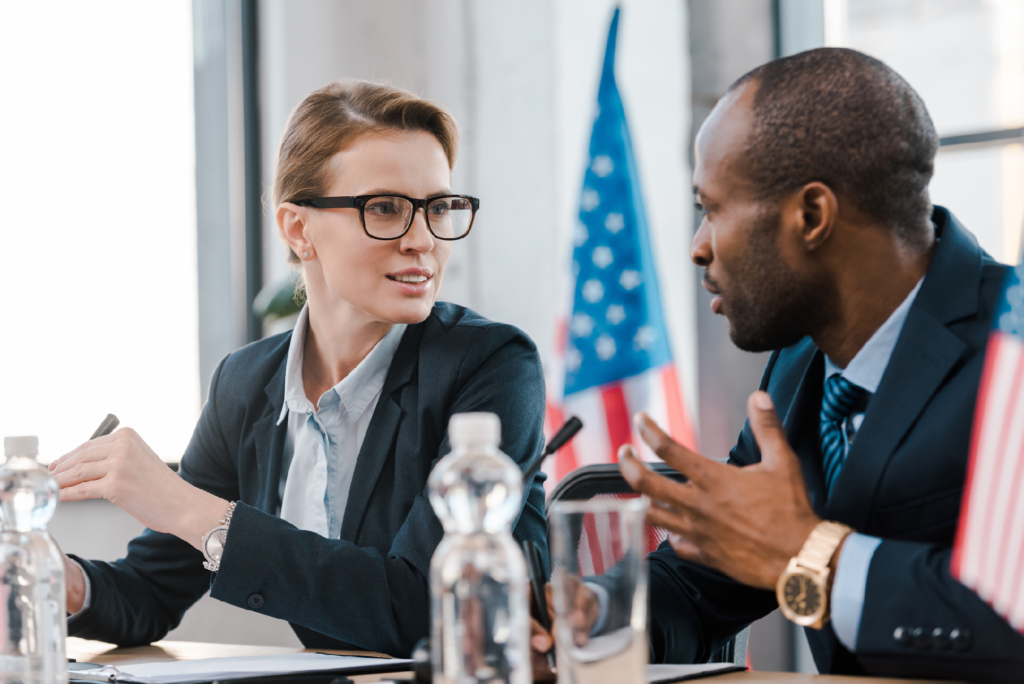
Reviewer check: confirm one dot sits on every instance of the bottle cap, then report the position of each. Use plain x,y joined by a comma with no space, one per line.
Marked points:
474,428
21,446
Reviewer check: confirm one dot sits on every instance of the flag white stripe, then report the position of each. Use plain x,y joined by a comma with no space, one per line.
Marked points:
1001,493
991,425
646,392
591,445
1013,565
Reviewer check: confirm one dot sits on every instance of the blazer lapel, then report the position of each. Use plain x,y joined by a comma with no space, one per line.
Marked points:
924,355
268,438
802,429
382,432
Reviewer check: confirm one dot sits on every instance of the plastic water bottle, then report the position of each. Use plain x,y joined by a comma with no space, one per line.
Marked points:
478,576
33,619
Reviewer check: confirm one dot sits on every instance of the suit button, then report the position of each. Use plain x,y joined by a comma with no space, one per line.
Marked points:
256,601
940,639
961,639
902,636
922,640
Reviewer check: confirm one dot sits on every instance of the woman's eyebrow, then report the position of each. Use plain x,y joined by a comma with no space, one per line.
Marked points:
389,191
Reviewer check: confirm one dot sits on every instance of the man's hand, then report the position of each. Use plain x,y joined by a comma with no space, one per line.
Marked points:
124,470
746,522
541,640
74,583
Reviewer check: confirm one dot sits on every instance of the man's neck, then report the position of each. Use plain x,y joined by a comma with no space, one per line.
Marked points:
869,289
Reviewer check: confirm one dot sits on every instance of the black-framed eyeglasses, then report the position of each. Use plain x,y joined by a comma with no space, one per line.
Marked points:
389,217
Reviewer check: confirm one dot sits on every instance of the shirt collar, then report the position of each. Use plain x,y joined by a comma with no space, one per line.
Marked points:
868,365
356,390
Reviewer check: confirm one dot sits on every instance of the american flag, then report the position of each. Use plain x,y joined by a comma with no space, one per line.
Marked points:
988,555
613,356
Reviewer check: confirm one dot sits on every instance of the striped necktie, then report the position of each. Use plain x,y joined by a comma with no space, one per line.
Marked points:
840,400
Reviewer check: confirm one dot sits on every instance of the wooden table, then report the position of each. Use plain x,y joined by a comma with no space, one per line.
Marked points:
108,654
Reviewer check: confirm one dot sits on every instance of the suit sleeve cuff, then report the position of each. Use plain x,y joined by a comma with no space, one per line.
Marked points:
602,602
87,603
849,587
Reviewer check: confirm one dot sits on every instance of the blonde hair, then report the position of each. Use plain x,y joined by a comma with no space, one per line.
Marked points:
330,119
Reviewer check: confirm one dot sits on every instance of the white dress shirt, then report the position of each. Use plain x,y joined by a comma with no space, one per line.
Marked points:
321,446
865,370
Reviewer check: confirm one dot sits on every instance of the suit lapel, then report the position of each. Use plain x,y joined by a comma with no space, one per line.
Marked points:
924,355
269,439
801,425
382,432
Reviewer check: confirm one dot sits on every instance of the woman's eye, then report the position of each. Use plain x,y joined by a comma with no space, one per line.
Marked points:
383,208
440,208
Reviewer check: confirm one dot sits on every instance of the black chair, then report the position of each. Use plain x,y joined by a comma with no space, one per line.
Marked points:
605,480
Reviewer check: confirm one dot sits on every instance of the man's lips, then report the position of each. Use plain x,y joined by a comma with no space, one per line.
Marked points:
712,287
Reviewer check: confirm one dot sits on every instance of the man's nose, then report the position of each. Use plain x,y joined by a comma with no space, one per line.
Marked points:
700,248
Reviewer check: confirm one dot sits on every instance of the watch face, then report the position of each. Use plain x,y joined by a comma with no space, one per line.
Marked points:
215,543
802,595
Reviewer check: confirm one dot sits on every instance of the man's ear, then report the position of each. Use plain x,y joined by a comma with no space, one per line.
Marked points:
291,222
816,209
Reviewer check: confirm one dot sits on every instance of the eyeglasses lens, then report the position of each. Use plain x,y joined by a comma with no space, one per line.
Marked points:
387,217
450,217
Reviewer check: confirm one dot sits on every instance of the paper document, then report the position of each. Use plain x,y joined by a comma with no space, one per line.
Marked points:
662,674
224,669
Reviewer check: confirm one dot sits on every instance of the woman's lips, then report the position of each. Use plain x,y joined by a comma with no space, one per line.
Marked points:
411,283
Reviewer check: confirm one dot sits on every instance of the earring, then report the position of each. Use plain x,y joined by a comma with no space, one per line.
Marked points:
305,254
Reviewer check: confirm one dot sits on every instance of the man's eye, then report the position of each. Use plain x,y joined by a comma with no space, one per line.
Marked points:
700,207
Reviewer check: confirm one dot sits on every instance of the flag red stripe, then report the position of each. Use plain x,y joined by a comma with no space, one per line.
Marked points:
996,453
594,543
565,458
617,418
678,419
979,413
1014,409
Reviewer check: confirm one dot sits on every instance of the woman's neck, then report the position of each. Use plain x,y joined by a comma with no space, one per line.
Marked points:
338,338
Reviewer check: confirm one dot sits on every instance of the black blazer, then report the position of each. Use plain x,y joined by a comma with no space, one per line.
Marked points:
902,481
370,589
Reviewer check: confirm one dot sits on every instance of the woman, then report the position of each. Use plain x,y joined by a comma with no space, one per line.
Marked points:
314,446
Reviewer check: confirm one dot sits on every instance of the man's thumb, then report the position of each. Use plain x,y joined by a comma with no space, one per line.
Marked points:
768,430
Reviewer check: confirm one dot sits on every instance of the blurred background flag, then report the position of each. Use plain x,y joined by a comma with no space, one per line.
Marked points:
988,555
613,356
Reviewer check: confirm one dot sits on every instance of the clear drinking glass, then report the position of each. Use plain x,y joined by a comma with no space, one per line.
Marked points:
599,581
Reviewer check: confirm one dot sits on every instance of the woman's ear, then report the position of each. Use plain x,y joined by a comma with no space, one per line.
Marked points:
291,221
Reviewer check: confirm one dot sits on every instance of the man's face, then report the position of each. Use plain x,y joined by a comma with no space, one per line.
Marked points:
752,260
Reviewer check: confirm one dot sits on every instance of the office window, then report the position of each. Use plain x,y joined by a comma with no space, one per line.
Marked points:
966,59
97,250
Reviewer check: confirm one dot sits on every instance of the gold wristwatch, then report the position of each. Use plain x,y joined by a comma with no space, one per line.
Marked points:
803,588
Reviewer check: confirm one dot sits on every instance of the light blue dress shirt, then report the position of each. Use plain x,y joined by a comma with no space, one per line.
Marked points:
865,370
321,446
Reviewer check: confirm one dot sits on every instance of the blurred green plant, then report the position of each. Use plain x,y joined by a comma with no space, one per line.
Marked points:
279,299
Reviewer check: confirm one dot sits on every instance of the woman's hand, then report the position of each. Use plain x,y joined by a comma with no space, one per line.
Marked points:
122,469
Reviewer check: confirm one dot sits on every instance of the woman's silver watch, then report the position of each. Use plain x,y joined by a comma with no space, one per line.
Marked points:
214,541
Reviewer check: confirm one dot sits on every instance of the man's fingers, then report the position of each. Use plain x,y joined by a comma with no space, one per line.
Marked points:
684,548
540,638
768,431
690,464
642,479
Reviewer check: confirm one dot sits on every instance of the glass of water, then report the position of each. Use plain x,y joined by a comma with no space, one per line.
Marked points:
599,582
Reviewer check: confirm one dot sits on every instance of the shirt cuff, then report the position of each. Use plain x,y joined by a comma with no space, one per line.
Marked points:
88,592
850,585
602,602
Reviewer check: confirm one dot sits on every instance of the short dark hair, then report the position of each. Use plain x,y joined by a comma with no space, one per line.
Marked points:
847,120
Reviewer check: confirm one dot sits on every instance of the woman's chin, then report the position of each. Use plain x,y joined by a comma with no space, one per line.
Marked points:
409,312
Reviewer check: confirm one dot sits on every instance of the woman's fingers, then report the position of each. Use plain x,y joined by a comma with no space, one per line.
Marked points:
87,455
84,446
80,472
80,492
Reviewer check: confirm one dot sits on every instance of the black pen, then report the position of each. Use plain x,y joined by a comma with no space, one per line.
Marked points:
106,427
540,602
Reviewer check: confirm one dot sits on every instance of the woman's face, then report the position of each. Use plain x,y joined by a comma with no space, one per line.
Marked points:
394,281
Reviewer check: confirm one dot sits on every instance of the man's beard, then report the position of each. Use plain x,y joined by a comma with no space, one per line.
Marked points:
770,306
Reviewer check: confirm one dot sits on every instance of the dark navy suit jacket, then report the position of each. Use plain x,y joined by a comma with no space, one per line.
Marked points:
370,588
902,482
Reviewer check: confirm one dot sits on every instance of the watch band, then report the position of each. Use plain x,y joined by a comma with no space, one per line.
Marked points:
213,564
821,545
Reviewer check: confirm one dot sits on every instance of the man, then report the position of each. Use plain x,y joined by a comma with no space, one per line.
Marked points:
821,244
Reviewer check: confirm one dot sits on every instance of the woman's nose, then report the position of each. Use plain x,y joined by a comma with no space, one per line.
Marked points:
419,237
700,248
